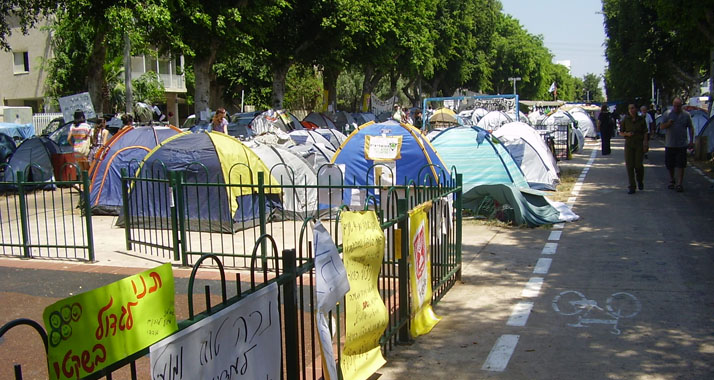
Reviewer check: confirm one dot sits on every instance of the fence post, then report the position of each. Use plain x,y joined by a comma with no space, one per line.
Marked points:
173,184
23,214
87,214
261,212
458,205
567,138
403,272
290,313
181,215
125,207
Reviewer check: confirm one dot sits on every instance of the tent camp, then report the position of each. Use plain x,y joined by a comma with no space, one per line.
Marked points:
490,173
7,147
317,155
320,119
18,131
531,154
203,158
306,136
296,174
399,153
335,137
585,123
477,115
273,121
125,150
493,120
557,125
364,117
521,116
34,158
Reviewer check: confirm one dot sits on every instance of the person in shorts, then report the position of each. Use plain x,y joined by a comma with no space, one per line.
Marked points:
679,135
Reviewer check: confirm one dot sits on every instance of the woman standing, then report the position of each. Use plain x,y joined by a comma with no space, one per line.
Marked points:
78,137
100,136
605,127
219,122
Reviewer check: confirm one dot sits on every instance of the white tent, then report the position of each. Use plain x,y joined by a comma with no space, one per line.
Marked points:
290,169
531,153
585,123
493,120
522,117
335,137
477,114
307,136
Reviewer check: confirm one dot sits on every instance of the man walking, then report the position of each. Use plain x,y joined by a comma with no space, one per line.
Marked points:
677,123
634,130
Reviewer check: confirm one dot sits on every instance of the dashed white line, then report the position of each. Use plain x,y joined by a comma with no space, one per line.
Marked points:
555,235
558,226
542,265
549,249
501,353
520,313
532,287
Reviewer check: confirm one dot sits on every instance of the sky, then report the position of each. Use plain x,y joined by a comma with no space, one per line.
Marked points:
571,29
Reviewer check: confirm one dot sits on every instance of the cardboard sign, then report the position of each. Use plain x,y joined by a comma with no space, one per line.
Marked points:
366,314
92,330
70,104
241,341
382,148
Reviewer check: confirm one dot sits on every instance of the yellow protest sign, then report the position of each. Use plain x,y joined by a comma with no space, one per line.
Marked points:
366,314
92,330
423,317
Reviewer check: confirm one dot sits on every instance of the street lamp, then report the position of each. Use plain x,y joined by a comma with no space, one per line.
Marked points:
514,79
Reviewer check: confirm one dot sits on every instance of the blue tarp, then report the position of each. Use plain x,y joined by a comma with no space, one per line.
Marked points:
22,131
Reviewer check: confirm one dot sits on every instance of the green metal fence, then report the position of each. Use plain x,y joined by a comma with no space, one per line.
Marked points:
49,219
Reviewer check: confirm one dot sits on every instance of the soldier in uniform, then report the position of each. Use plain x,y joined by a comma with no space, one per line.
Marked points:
634,130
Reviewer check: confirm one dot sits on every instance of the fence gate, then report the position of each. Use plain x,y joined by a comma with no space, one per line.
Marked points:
49,219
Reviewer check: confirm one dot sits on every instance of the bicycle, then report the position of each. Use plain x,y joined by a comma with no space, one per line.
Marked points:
617,306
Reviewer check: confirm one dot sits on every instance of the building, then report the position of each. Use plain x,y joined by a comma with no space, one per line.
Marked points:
22,77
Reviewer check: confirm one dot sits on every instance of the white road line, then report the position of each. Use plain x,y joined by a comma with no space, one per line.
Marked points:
558,226
501,353
532,287
549,249
520,313
571,200
542,265
555,235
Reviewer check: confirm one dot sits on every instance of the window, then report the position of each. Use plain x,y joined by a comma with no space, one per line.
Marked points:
21,62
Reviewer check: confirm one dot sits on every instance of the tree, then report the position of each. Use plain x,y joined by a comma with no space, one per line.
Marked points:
591,88
23,14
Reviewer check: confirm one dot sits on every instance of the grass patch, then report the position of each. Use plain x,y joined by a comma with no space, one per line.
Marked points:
568,177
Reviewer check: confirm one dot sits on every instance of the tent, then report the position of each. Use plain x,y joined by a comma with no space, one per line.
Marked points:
708,130
364,117
699,118
345,122
531,154
125,150
273,121
34,157
521,116
585,123
482,159
399,153
489,172
316,155
19,131
298,176
7,147
534,117
477,115
335,137
307,136
204,158
444,118
320,119
493,120
557,124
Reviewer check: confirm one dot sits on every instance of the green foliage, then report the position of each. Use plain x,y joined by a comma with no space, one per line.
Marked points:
304,89
149,89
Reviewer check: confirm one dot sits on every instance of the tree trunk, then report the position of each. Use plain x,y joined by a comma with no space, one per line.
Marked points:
279,74
329,82
127,75
95,72
371,78
202,65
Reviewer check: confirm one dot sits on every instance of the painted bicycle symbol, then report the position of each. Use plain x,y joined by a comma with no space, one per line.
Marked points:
618,306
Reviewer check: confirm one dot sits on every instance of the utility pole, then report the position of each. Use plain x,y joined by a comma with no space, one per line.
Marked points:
127,74
514,79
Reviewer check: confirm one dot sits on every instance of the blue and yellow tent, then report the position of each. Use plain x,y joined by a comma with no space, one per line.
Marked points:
399,145
221,178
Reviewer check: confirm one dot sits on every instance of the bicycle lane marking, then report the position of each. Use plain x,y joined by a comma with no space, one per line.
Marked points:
503,349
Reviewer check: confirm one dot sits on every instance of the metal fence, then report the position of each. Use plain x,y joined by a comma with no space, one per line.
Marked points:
169,215
558,137
48,219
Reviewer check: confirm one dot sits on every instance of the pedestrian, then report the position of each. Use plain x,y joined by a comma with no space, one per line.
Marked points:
649,122
406,118
606,126
219,122
418,120
78,138
127,120
100,136
397,113
676,124
635,132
